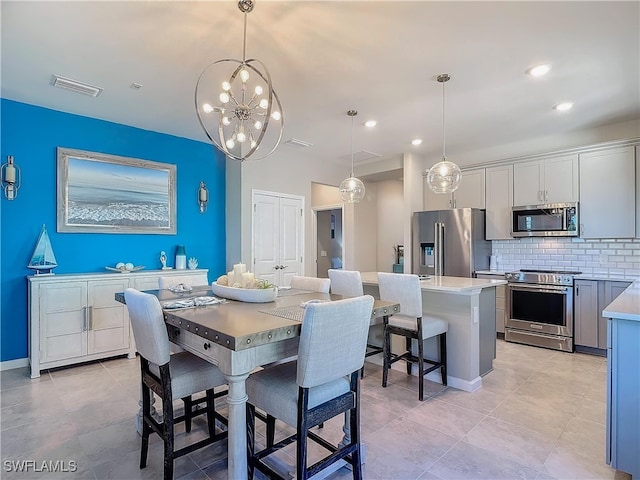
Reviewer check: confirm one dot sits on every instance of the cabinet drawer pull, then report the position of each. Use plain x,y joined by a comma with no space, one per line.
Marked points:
90,318
207,346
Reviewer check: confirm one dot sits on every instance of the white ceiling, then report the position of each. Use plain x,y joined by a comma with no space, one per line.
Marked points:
325,57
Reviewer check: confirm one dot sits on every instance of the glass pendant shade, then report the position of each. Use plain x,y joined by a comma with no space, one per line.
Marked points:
444,177
352,190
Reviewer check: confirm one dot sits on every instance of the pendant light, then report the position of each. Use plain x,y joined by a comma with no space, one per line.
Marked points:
237,106
444,176
352,189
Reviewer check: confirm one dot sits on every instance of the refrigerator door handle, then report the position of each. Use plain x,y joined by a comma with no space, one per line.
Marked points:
439,244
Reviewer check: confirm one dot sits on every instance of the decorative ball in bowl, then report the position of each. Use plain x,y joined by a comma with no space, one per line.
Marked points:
249,295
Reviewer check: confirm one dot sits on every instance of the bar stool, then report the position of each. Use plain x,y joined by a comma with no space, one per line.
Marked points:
312,284
411,324
171,377
324,382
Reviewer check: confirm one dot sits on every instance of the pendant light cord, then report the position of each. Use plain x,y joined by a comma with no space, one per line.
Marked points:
443,124
352,145
244,40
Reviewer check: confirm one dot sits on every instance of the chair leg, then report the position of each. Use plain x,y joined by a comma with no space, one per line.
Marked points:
354,432
386,355
167,423
146,429
420,368
407,342
211,413
251,439
302,433
188,412
271,430
443,357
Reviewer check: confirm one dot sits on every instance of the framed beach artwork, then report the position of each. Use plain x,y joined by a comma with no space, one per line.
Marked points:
99,193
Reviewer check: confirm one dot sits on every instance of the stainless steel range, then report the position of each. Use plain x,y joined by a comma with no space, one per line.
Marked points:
539,308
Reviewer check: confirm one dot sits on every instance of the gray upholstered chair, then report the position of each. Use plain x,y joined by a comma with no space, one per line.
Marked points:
312,284
171,377
346,282
324,382
411,323
194,280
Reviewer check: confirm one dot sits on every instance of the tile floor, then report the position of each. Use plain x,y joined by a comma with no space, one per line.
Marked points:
539,415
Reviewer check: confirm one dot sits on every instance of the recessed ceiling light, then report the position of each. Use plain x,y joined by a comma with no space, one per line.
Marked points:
563,107
370,123
539,70
416,141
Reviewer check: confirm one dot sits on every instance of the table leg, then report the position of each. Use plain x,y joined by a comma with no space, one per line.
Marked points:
237,441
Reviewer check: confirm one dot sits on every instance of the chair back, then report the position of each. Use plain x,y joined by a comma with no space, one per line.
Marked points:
149,329
165,283
346,282
313,284
402,288
333,340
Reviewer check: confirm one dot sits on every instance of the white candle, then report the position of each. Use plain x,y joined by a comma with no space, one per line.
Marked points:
238,270
230,278
247,278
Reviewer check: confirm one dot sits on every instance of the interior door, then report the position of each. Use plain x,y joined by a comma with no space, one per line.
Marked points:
277,237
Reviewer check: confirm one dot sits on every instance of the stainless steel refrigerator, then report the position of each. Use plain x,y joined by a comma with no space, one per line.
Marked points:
450,242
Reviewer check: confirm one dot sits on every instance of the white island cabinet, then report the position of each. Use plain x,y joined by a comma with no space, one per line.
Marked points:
469,305
74,318
623,381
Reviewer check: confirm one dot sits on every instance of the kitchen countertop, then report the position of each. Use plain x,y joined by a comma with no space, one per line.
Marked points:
445,284
627,305
608,276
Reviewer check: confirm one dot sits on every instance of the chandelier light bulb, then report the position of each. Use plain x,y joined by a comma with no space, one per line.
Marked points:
230,143
253,143
264,103
207,108
224,97
241,137
244,75
257,125
276,116
226,86
226,121
258,90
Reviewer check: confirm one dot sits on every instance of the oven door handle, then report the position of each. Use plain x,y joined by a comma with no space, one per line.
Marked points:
538,288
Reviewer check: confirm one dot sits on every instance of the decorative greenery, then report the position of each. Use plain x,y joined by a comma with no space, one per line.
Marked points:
264,284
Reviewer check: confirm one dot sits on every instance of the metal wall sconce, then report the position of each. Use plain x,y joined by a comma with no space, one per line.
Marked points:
203,197
10,178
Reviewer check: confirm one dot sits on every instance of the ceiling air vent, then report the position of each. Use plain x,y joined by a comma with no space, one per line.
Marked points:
75,86
294,142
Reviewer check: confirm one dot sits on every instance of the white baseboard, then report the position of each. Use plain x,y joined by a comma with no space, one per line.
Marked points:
12,364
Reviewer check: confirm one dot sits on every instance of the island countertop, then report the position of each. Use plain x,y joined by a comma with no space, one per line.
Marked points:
627,305
459,285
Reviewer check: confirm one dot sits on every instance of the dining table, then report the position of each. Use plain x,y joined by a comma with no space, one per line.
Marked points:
239,337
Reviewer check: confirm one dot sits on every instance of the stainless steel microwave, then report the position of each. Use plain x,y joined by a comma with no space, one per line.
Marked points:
548,220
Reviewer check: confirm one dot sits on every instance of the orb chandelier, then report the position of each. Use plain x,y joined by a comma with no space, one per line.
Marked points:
444,176
352,189
237,106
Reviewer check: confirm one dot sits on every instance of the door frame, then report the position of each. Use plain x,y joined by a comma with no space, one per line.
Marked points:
314,232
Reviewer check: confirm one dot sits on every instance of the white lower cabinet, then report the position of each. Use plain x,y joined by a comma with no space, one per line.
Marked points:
75,318
500,299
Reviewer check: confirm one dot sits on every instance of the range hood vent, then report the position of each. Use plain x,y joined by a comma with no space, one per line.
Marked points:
75,86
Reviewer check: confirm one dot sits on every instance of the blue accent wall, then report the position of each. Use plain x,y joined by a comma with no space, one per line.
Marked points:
31,134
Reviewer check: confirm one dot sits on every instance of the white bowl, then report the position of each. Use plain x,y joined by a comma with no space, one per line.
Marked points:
250,295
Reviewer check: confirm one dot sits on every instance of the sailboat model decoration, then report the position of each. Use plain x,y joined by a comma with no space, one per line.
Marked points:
43,260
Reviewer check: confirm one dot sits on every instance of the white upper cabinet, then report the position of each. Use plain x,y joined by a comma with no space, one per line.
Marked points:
470,193
549,180
499,195
607,193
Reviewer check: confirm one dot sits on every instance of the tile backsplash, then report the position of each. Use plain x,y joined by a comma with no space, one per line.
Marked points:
597,257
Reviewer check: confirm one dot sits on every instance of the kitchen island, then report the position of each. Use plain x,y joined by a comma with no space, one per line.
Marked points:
469,305
623,381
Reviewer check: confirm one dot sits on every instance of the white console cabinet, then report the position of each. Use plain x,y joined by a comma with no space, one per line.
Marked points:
75,318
